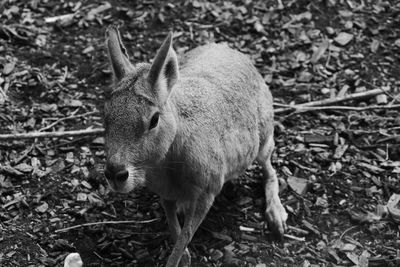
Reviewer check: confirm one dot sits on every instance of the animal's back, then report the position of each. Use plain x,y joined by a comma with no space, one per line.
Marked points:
225,111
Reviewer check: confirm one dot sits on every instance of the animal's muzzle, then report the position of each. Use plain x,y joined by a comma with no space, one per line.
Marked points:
116,172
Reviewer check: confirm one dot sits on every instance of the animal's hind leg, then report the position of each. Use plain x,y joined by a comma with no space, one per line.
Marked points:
275,213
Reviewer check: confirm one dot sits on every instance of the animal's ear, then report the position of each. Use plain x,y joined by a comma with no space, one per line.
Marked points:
117,54
164,70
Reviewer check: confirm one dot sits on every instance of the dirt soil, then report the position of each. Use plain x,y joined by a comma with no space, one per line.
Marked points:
338,165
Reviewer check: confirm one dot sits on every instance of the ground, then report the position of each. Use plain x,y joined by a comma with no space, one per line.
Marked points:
338,166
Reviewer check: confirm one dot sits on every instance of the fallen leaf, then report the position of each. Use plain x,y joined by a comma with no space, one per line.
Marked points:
86,184
4,183
320,51
299,185
348,247
10,170
95,199
364,259
353,257
23,167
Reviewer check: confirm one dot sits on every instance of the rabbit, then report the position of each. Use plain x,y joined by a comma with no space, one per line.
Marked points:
185,127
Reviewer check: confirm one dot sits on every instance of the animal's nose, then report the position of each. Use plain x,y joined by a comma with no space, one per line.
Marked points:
116,172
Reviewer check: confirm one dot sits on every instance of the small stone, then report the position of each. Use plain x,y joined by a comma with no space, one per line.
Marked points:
8,68
320,245
70,157
88,49
98,141
348,25
343,38
330,30
345,13
325,91
73,260
81,197
381,99
42,208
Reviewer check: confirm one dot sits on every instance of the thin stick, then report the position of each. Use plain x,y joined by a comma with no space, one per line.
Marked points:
385,91
66,118
103,223
345,108
326,102
347,230
294,237
33,135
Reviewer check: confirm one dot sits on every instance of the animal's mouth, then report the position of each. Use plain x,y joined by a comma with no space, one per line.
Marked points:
135,179
119,187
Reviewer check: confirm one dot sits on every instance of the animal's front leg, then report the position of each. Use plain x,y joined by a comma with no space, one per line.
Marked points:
170,209
194,215
172,218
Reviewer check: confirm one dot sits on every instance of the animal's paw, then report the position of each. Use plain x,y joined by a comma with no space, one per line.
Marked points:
276,217
186,259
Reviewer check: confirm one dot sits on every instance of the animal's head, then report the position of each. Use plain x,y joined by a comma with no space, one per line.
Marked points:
139,124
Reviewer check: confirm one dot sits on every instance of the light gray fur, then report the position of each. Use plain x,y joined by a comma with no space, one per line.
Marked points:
215,120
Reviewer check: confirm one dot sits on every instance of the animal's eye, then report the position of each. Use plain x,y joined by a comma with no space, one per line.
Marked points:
154,120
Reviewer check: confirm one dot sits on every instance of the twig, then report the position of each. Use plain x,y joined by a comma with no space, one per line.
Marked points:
357,132
326,102
385,90
347,230
281,105
303,109
33,135
298,230
294,237
60,18
26,152
103,223
66,118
